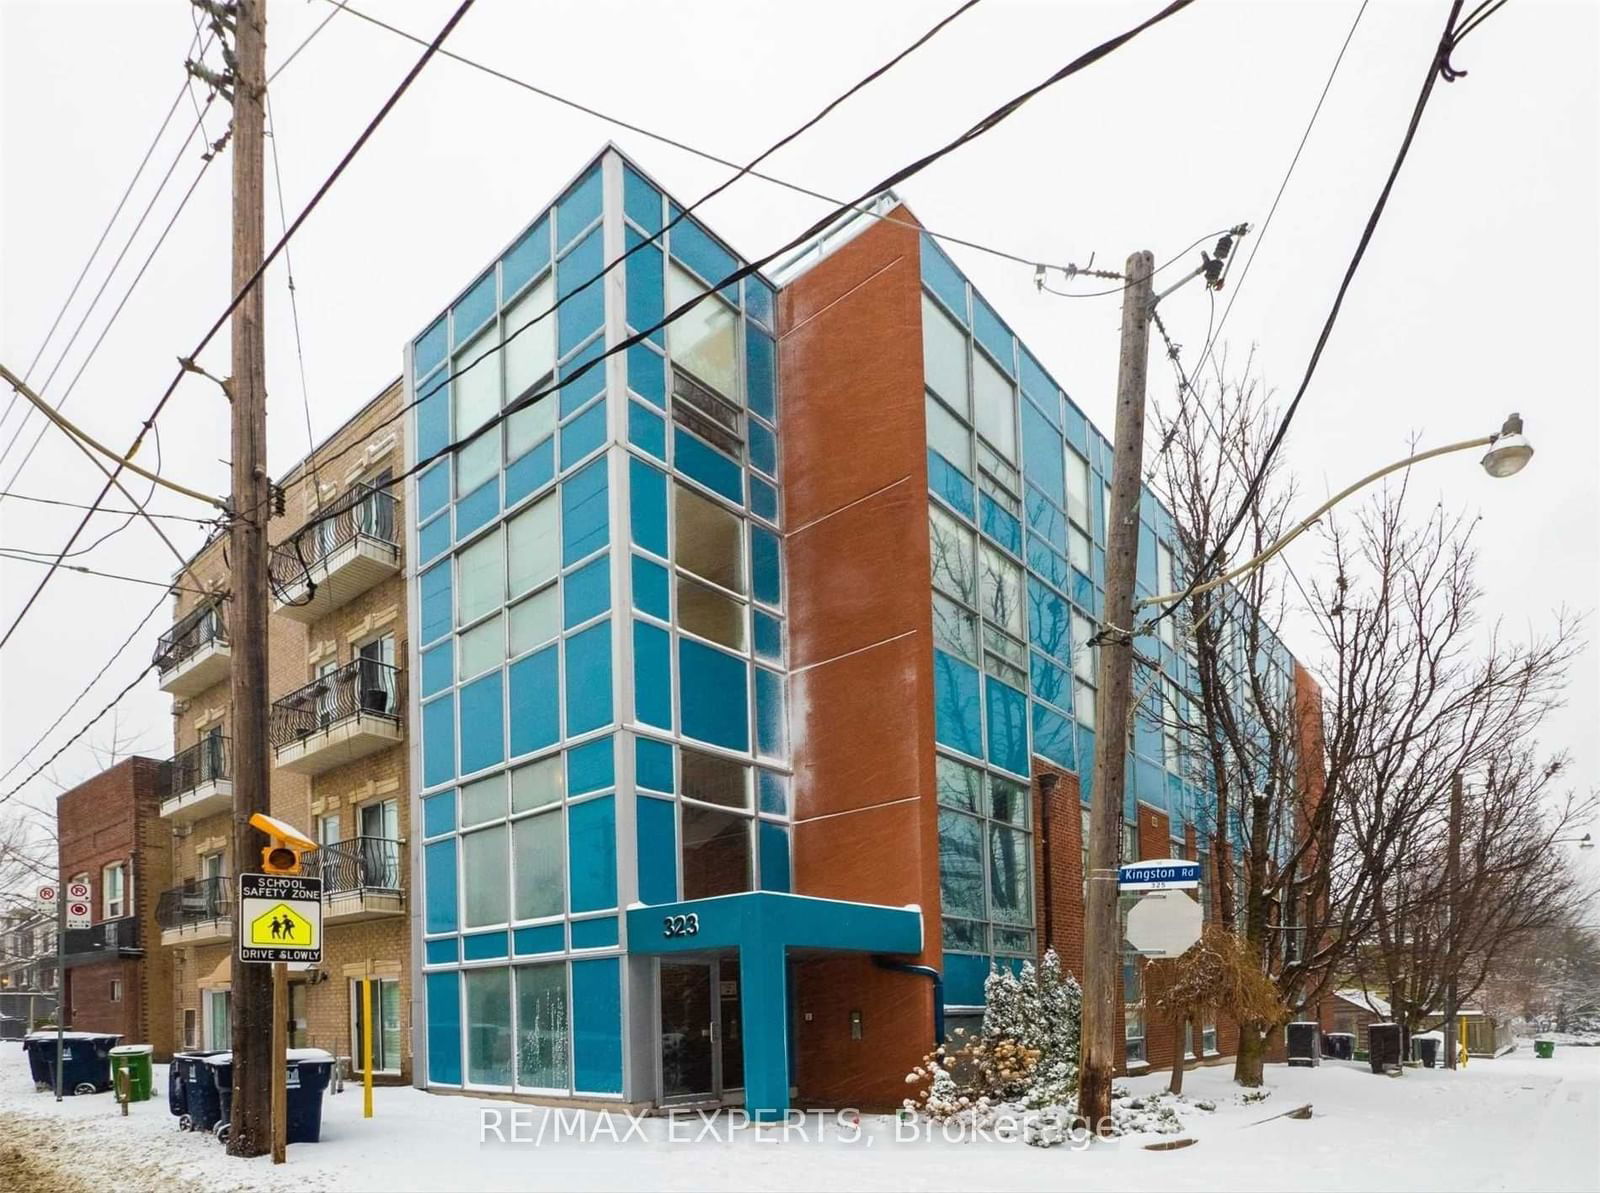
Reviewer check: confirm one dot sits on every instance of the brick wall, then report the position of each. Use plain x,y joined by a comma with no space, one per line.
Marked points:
116,817
368,443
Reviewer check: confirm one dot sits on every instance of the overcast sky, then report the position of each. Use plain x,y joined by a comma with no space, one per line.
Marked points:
1479,294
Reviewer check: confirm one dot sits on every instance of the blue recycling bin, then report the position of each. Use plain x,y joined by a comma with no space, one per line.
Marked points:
85,1060
310,1070
192,1091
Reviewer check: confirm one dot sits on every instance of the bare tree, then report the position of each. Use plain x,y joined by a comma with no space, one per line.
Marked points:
1420,693
1251,740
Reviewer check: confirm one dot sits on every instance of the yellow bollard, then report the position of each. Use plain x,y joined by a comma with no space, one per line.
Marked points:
366,1047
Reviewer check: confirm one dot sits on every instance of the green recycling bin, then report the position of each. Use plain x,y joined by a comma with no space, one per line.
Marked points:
1544,1049
133,1060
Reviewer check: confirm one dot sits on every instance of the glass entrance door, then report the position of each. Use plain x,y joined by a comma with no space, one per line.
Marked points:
687,1043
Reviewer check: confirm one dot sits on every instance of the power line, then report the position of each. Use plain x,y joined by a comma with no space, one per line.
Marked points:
101,509
212,153
1439,66
93,721
1244,273
127,193
186,364
695,151
160,604
984,125
56,562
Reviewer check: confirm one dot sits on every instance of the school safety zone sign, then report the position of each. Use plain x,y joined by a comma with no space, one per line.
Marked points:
280,918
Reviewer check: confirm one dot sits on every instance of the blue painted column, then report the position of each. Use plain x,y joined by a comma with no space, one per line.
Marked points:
764,1006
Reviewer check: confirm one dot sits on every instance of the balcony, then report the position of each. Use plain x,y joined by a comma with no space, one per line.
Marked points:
362,879
193,655
338,718
105,941
349,547
199,912
201,784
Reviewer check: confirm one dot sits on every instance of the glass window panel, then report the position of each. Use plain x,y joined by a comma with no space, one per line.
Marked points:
710,614
705,340
537,784
1083,702
484,800
531,354
709,540
715,851
1001,595
960,864
482,570
955,629
482,647
477,462
477,382
538,851
542,1033
715,780
944,357
963,936
1078,488
489,1026
996,406
1008,801
960,785
535,620
532,545
484,865
533,423
1010,896
954,570
1083,655
948,436
1078,550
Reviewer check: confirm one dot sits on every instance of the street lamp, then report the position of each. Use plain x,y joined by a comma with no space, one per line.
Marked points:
1508,452
1584,842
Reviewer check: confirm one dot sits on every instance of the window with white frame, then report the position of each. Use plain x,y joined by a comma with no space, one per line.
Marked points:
1172,718
113,891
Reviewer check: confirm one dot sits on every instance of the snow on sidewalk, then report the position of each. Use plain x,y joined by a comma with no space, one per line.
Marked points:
1512,1123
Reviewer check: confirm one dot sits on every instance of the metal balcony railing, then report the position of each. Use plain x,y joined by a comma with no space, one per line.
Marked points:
359,864
106,936
362,513
361,687
198,628
195,902
202,763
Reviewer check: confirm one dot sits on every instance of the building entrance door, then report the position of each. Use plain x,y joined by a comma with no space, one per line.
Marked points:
688,1062
702,1041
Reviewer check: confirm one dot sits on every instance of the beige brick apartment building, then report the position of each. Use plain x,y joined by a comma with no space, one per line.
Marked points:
339,758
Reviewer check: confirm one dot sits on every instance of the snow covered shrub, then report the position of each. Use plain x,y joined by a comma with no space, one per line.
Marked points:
1026,1053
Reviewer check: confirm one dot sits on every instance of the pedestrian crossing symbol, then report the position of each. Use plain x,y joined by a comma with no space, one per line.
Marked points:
283,925
280,918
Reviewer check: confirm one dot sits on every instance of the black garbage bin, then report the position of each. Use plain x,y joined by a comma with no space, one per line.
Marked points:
1340,1045
192,1090
1383,1046
309,1072
1428,1050
1305,1039
85,1060
219,1072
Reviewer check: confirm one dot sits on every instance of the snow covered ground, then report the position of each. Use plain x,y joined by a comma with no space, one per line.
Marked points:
1512,1123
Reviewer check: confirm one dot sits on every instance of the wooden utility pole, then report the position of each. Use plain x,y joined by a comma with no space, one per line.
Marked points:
1102,939
1452,879
251,1130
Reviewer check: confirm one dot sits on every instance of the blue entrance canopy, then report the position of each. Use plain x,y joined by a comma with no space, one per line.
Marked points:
764,926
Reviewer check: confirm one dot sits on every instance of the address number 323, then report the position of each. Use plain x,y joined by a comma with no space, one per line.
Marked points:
680,925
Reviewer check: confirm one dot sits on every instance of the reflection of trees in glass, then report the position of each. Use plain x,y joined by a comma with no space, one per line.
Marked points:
542,1026
960,864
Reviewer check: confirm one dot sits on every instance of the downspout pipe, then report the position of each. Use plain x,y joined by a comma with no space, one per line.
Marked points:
921,971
